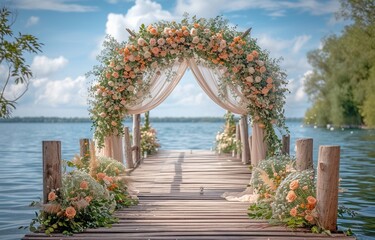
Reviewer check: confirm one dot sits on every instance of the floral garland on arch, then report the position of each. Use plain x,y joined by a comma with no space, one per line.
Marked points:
126,69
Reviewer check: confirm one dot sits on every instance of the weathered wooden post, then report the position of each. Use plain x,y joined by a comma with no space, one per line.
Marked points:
238,139
117,148
259,147
304,154
51,167
244,139
327,186
128,149
137,137
84,147
250,145
107,150
286,145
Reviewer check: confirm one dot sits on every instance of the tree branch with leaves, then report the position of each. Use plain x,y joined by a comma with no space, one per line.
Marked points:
12,50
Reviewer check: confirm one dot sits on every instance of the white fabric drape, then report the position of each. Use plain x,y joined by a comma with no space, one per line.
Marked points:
258,146
160,88
209,80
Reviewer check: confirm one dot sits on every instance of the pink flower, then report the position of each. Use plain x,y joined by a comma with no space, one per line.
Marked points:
141,42
161,41
152,41
195,40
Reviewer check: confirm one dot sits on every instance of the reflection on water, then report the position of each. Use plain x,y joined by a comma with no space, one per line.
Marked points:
21,164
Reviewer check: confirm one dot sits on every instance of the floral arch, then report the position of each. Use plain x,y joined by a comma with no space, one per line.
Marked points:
137,75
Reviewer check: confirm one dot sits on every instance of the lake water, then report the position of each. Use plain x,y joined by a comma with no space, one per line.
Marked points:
21,164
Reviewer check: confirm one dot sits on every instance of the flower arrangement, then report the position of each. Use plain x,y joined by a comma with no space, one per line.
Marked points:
81,203
226,141
295,200
149,141
126,69
267,176
88,196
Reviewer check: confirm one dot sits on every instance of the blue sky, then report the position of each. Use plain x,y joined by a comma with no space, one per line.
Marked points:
72,32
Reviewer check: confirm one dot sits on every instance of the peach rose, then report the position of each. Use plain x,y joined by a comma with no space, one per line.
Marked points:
291,196
309,218
70,212
141,42
293,212
100,176
88,199
107,178
161,41
52,196
269,80
84,185
250,57
262,69
311,200
305,188
294,185
155,50
255,54
153,31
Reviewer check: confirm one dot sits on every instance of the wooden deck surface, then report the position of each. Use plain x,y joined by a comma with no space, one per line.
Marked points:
180,199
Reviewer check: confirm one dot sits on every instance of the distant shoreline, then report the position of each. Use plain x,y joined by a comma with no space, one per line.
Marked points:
88,120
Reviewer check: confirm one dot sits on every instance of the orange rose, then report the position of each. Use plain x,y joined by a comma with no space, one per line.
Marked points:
293,212
291,196
52,196
88,199
70,212
311,200
153,31
84,185
294,185
309,218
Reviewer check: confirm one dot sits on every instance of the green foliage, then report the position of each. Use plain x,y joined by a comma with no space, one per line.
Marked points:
261,210
12,51
341,85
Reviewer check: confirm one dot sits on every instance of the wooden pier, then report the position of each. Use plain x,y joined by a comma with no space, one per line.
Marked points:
180,198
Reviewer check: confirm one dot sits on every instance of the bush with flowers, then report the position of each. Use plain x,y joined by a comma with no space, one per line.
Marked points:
149,141
126,69
110,174
226,141
267,176
88,196
295,200
80,203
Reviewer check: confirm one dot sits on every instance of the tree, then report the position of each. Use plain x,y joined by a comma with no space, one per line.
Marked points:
341,86
12,50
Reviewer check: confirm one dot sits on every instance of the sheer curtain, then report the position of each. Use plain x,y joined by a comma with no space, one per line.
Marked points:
227,96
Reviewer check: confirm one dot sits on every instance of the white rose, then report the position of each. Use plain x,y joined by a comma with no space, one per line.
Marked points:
195,40
249,79
147,54
131,88
251,70
166,30
145,49
193,31
258,79
260,63
141,41
110,83
161,41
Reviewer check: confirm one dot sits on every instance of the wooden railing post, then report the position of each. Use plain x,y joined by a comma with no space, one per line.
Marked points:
327,186
137,137
286,145
84,147
238,139
51,167
304,154
244,139
128,149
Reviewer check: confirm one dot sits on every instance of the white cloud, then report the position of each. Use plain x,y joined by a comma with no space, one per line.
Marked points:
67,92
52,5
33,20
43,66
299,42
143,11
